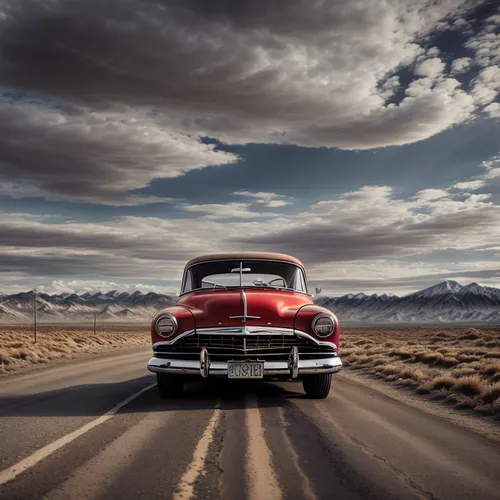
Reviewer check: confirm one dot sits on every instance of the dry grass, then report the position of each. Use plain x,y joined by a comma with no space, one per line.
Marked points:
54,342
443,382
459,365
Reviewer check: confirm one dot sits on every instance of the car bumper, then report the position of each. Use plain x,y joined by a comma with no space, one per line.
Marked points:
205,367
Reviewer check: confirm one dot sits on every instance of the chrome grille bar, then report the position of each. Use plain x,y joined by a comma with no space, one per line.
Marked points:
243,343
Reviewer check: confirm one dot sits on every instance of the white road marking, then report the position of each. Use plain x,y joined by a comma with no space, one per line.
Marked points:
185,487
262,479
100,474
28,462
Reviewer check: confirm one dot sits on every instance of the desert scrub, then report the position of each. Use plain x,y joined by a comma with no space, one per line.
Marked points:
412,373
467,358
463,372
443,382
361,360
18,351
401,353
431,357
460,364
470,386
392,370
491,393
492,354
490,369
448,361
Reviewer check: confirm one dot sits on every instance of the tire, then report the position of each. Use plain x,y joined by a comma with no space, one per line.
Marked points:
169,385
317,386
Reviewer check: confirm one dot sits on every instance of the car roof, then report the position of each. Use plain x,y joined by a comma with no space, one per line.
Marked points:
246,256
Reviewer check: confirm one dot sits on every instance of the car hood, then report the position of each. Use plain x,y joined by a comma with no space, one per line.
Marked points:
214,308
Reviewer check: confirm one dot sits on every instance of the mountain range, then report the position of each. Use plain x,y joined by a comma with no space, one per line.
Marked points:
443,303
110,306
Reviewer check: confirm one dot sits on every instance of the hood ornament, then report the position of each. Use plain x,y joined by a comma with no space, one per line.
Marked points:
245,316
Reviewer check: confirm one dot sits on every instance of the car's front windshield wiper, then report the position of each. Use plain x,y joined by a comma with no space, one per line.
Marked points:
261,284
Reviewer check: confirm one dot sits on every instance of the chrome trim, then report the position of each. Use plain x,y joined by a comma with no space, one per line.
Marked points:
246,330
317,318
245,316
160,316
329,364
300,333
293,362
187,333
204,362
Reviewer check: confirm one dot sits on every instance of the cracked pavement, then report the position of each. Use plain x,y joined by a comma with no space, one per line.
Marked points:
230,439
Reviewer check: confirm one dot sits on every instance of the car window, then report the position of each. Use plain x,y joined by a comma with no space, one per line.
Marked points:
233,274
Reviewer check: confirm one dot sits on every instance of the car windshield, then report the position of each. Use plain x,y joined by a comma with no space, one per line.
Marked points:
249,273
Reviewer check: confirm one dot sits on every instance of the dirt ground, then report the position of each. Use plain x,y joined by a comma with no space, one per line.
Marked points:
62,342
461,366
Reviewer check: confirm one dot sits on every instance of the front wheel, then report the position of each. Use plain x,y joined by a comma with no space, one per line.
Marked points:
317,386
169,385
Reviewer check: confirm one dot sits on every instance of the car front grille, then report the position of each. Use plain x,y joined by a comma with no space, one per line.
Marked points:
241,342
225,347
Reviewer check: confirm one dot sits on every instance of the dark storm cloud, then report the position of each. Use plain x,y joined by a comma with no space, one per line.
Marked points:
245,71
363,226
121,239
89,157
324,243
357,236
79,265
119,91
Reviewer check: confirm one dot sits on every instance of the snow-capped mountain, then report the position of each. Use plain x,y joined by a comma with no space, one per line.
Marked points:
446,302
72,307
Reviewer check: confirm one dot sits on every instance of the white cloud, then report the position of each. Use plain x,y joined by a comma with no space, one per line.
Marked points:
430,68
469,185
433,52
277,203
492,172
461,65
271,200
486,85
486,43
431,194
493,110
226,211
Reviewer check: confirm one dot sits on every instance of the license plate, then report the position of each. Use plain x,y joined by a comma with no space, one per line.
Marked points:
245,369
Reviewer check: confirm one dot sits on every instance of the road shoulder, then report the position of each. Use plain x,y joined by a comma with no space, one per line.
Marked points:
485,426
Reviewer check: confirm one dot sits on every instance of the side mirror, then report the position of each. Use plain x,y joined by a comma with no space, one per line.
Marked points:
318,290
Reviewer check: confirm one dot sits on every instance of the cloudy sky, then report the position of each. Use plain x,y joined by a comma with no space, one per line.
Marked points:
362,136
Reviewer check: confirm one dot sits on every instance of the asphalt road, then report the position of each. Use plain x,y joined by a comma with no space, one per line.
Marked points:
226,440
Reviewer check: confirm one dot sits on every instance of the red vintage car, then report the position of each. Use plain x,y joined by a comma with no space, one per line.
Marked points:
245,316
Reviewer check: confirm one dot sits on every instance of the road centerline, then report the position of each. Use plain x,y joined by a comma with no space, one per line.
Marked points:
185,487
262,479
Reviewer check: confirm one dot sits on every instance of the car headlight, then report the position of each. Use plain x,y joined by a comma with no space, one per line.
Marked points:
323,325
166,325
